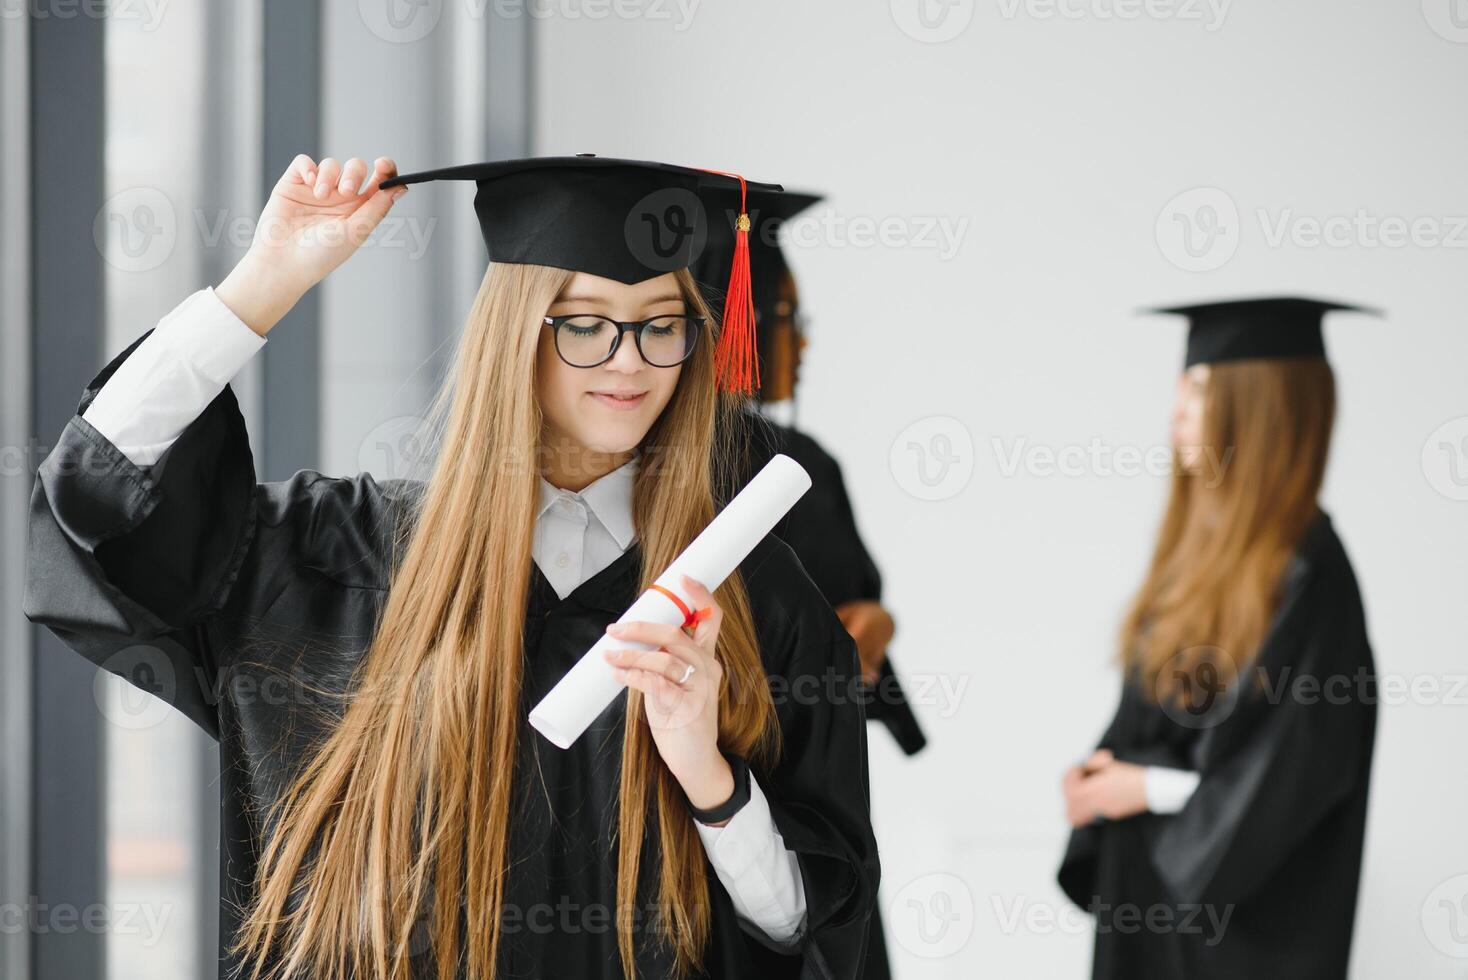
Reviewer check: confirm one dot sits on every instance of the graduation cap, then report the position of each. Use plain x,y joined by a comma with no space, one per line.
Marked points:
627,220
767,210
1267,327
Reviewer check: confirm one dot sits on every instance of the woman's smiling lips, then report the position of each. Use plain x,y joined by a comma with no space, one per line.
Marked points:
619,400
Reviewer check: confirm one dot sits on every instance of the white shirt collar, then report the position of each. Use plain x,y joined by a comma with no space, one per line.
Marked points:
609,497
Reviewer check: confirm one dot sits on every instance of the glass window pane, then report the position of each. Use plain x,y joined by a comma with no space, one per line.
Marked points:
148,231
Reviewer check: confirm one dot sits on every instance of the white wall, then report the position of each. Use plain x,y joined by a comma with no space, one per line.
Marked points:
1060,142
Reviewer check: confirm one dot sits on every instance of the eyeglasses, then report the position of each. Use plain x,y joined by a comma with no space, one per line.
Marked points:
585,340
790,313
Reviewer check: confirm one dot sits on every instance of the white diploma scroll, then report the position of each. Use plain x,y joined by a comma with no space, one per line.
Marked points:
586,690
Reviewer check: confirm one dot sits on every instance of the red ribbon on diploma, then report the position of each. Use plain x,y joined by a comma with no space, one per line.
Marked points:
690,617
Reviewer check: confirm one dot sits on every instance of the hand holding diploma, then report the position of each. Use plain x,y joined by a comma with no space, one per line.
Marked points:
680,679
589,686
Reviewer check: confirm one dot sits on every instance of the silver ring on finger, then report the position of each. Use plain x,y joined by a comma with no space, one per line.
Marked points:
687,673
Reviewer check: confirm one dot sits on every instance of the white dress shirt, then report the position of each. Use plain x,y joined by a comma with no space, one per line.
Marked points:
579,534
1168,790
199,346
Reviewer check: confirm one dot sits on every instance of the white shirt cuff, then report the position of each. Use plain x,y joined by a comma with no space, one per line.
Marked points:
1168,790
172,376
760,875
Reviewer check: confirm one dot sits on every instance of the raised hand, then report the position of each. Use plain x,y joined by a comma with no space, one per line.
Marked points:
316,217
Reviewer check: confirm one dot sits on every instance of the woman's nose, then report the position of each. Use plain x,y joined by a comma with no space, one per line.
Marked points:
627,357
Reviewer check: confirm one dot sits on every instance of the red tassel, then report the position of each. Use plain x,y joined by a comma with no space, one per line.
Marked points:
736,361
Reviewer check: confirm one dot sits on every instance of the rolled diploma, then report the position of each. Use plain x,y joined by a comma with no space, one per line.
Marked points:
588,687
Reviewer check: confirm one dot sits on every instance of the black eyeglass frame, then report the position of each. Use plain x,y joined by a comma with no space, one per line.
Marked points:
799,320
636,326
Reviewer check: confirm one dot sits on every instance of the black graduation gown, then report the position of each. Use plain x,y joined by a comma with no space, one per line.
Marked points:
237,601
1257,875
821,529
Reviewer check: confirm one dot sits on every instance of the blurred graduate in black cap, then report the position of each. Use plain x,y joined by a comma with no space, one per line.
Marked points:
821,527
1219,823
393,815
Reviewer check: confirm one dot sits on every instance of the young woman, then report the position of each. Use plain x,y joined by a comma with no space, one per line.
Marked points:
1219,823
367,652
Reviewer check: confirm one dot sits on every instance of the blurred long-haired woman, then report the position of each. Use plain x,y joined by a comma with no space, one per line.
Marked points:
1218,824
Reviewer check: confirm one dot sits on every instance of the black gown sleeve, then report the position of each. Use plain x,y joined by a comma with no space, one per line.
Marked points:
1285,762
822,530
1077,874
869,575
887,701
818,792
1275,768
130,565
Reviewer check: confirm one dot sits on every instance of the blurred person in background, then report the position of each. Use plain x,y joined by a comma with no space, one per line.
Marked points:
821,527
1218,825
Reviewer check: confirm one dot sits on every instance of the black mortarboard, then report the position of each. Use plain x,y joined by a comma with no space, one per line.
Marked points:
627,220
1267,327
768,210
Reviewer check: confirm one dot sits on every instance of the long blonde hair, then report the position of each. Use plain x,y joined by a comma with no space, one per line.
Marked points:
405,803
1211,591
